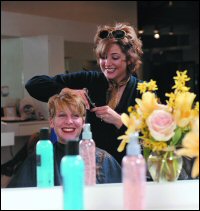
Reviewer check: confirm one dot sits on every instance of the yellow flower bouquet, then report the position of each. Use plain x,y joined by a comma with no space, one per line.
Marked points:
165,128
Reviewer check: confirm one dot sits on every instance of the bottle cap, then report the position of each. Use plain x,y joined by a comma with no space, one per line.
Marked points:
133,147
44,133
87,134
72,147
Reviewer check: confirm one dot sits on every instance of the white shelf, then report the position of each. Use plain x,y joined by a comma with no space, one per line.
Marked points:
24,128
179,195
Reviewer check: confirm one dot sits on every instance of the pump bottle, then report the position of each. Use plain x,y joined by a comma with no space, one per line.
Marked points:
72,172
44,160
134,176
87,152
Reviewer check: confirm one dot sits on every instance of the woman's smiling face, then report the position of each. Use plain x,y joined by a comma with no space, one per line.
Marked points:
67,124
114,64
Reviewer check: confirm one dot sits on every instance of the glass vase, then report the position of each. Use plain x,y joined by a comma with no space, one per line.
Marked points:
164,166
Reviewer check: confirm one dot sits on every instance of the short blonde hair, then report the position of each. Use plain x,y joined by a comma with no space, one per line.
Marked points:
71,100
130,45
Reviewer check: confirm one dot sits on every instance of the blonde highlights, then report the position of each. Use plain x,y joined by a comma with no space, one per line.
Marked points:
69,100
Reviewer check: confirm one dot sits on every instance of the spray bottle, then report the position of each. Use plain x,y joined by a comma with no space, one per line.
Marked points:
134,176
73,171
44,160
87,152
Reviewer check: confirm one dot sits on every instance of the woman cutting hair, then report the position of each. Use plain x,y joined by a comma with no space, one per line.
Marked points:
112,90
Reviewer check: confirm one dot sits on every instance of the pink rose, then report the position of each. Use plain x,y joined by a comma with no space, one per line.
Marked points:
161,125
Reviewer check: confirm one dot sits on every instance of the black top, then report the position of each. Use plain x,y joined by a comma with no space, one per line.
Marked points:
72,147
107,168
104,134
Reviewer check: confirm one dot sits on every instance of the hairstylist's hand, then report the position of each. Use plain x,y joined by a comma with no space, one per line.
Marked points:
81,92
108,115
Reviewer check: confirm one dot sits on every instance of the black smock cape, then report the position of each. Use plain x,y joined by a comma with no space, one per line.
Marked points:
107,169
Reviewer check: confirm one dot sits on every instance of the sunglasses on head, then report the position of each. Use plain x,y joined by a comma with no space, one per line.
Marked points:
117,34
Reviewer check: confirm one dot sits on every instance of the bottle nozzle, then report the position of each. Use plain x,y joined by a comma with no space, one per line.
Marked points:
87,134
133,147
44,133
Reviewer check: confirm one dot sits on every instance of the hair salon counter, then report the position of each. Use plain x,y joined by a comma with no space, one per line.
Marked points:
24,128
179,195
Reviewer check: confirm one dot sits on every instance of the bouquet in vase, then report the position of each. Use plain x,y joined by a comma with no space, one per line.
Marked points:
164,128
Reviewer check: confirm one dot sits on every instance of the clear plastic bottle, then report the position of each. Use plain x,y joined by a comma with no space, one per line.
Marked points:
134,176
87,152
72,172
44,160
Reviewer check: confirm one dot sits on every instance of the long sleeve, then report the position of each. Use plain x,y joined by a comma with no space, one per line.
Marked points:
108,169
42,87
112,170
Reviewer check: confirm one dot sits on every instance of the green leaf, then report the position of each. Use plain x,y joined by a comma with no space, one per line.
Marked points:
146,153
177,136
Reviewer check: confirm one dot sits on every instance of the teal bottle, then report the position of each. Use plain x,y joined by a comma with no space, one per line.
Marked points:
72,172
44,160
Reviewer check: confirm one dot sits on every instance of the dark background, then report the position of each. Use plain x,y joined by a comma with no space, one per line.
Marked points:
180,51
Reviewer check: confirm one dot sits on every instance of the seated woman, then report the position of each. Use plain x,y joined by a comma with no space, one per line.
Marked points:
67,114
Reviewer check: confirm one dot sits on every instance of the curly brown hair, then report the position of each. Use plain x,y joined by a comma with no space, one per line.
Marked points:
130,45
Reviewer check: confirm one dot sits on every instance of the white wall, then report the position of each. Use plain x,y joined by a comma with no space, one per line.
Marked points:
42,40
22,25
11,69
78,53
26,57
79,19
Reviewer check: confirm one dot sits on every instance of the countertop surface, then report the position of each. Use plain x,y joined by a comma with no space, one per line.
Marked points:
179,195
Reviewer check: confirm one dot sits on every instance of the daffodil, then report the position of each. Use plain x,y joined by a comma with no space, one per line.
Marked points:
191,146
147,104
183,108
125,140
133,124
196,110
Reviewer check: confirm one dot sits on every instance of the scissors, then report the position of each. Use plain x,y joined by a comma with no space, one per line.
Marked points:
92,105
